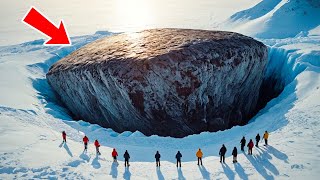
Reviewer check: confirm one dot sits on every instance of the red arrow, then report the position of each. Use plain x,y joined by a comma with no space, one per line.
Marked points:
59,36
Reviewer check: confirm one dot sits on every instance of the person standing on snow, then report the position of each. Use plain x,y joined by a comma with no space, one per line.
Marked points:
85,142
126,157
234,154
222,153
199,155
97,145
178,157
243,143
157,156
265,137
257,140
114,155
64,137
250,146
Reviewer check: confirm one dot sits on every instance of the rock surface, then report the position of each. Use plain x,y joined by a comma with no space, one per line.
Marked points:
170,82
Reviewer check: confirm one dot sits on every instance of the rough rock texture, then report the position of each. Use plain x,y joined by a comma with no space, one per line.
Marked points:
172,82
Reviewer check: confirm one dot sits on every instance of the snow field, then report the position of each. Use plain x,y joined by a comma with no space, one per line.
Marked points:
34,134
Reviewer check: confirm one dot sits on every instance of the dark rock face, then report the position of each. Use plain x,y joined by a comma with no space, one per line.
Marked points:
170,82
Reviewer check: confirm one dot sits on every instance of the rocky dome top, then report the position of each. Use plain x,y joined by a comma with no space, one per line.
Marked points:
154,43
172,82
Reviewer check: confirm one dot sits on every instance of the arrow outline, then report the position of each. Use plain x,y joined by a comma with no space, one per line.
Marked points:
61,21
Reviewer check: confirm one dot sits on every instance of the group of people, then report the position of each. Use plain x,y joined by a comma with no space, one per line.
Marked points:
234,153
199,153
96,143
126,157
250,145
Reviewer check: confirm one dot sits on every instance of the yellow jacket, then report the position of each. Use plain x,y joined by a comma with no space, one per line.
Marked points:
266,135
199,154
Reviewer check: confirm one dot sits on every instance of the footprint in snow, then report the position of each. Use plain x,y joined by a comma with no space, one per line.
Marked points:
297,166
75,163
43,137
64,169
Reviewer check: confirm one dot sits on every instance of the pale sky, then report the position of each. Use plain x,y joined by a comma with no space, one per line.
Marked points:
86,17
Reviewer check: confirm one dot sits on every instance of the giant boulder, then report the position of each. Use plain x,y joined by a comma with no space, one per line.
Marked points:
169,82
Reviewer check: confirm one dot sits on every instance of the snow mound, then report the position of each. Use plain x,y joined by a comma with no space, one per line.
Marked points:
277,18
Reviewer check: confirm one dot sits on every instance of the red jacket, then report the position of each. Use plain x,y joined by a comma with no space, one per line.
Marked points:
250,144
64,135
114,153
96,143
85,139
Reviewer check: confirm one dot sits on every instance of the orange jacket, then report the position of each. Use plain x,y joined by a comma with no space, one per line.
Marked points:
199,153
266,135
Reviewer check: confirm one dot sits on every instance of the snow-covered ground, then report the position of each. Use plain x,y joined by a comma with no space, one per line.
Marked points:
31,120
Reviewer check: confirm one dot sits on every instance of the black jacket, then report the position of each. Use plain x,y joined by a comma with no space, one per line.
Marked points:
235,152
258,137
157,156
243,142
223,150
126,156
178,156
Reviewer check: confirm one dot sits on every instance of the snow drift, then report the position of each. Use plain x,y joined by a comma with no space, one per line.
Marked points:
277,18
